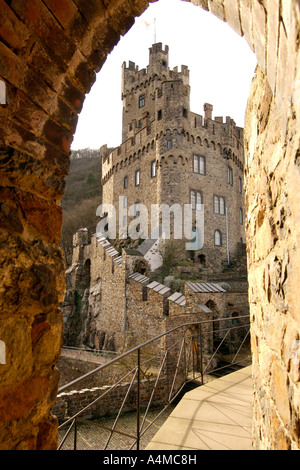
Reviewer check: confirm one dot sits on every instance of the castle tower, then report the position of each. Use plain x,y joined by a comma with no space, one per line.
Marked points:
141,90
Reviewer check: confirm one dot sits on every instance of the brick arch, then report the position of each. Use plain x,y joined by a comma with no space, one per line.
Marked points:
45,87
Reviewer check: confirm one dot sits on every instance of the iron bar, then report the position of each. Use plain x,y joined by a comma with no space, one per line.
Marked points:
241,345
94,401
154,388
103,366
186,352
138,399
75,434
201,353
120,411
66,435
176,371
215,353
106,428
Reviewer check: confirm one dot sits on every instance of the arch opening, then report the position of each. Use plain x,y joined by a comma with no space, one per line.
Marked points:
37,152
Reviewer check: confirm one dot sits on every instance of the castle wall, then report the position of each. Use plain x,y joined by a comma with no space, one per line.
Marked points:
145,311
46,85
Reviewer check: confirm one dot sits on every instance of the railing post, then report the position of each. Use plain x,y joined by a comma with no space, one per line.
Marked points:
201,353
138,399
75,434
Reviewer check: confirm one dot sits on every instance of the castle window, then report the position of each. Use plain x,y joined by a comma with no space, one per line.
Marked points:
240,185
184,112
159,114
136,209
199,164
230,175
222,205
241,216
193,199
124,202
144,293
125,182
141,101
216,204
218,238
153,169
137,178
219,205
196,199
169,144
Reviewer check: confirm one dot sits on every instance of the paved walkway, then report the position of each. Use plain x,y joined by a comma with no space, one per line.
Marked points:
215,416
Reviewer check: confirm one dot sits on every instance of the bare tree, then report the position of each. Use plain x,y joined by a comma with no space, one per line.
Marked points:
171,251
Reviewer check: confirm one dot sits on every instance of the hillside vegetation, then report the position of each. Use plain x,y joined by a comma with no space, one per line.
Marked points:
83,195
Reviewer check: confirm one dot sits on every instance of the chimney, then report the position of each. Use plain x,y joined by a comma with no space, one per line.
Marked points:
208,108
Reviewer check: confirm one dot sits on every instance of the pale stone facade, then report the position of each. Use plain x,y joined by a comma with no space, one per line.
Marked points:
45,87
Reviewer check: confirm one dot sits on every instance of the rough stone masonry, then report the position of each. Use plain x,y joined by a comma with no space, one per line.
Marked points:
45,85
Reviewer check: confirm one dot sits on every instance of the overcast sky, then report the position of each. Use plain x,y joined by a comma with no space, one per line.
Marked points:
221,68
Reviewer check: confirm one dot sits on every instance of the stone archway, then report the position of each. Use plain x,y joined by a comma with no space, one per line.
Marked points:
45,86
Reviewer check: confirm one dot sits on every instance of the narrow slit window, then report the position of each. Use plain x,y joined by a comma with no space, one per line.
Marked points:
141,101
137,177
153,169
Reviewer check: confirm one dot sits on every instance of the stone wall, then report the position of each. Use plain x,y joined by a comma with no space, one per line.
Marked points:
69,403
273,238
122,308
46,85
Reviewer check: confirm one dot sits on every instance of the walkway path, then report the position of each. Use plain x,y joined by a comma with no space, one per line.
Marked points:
215,416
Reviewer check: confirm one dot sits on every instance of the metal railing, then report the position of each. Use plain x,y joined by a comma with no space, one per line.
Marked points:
156,373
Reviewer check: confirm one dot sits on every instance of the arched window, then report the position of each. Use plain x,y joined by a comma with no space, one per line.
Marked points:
222,206
219,205
199,164
196,199
193,200
218,238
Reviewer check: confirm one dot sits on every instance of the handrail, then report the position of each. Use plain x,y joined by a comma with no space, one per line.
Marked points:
180,371
116,359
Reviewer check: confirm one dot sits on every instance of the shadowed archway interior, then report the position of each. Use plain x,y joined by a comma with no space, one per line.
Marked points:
43,88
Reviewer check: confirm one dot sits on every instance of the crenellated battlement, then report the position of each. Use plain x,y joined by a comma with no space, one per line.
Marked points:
133,79
218,134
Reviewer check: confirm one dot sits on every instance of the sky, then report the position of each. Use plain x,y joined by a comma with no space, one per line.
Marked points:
221,68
